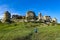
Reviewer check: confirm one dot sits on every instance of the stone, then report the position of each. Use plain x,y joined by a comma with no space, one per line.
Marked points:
40,17
54,20
30,15
47,18
6,17
16,17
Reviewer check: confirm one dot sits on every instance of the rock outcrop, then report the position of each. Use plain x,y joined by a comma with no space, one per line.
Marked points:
54,20
47,19
40,18
30,16
6,17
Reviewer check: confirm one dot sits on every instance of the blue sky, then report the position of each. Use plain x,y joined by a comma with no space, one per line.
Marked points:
20,7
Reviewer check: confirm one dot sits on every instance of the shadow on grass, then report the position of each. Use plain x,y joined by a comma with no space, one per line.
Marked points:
28,37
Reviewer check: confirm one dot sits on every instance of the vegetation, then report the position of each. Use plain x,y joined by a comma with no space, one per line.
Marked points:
25,31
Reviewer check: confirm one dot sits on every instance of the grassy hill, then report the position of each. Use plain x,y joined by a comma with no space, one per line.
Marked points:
25,31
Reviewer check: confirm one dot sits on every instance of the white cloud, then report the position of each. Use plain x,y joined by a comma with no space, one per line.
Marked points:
4,8
15,13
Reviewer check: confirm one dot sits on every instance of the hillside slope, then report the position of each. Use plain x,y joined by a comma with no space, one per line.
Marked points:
25,31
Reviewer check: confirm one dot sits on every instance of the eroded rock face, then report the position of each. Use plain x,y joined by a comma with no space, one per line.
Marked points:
6,17
40,17
47,18
54,20
30,15
16,17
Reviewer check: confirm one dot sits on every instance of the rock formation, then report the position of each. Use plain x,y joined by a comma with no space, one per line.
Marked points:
47,19
16,17
54,20
6,17
30,16
40,17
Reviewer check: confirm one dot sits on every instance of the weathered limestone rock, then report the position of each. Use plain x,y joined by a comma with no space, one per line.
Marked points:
30,16
54,20
6,17
16,17
40,17
47,18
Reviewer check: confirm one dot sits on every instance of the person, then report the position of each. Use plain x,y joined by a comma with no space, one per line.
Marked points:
35,30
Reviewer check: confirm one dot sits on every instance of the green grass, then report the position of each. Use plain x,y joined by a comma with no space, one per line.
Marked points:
25,31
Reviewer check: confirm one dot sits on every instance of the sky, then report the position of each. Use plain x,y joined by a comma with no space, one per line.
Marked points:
21,7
